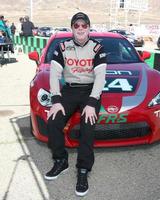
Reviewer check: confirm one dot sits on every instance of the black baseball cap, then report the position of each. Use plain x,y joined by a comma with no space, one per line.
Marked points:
80,15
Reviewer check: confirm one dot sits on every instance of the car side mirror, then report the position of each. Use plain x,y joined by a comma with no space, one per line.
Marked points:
34,56
145,55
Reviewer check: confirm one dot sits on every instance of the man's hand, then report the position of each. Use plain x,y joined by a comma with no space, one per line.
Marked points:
90,114
55,109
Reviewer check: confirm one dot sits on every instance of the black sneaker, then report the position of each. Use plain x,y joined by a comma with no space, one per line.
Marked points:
59,167
82,182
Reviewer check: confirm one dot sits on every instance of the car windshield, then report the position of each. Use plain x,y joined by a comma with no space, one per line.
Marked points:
118,50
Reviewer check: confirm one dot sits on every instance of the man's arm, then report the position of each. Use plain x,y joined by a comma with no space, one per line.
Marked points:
100,64
57,65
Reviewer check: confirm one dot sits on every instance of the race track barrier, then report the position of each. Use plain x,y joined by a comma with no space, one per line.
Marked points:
28,44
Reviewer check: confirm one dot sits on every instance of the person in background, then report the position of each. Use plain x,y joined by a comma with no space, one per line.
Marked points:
7,25
27,27
2,38
2,23
13,29
82,62
7,41
19,26
4,27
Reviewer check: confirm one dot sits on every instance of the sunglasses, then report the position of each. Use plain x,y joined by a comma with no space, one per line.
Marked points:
76,26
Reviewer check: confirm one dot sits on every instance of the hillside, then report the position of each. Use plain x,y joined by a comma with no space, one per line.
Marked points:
59,12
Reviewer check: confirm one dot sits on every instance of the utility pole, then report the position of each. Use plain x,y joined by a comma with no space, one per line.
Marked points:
31,9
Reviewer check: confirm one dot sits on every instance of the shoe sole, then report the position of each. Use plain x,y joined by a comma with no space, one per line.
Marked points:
55,177
81,194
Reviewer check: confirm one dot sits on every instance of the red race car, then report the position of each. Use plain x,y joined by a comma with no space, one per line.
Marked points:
130,108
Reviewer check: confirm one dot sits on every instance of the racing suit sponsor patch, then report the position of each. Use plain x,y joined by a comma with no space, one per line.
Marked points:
79,62
102,55
55,53
96,48
81,70
70,48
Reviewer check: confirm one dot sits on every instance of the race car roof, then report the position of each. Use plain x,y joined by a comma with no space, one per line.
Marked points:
94,34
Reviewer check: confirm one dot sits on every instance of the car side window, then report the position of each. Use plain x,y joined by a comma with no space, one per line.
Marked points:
127,54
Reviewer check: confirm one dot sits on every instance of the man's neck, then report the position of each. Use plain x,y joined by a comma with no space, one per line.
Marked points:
81,43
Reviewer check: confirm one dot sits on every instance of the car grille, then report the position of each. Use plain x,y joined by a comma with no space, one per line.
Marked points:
116,131
106,131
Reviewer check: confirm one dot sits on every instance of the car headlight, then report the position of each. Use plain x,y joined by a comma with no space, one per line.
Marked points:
155,101
44,98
